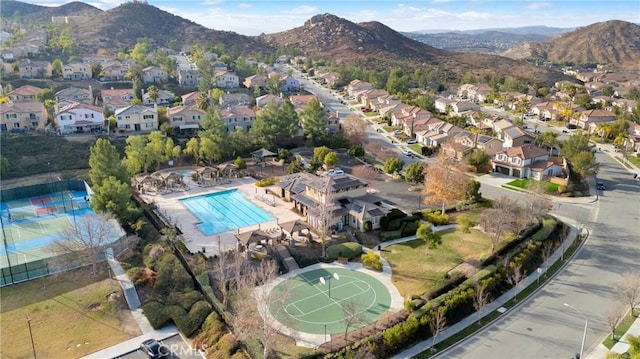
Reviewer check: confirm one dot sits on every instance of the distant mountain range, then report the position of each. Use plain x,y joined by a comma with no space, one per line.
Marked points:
524,30
338,40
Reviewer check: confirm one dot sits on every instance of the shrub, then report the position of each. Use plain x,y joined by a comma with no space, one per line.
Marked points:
384,223
349,250
372,260
437,218
368,226
410,229
185,299
395,213
154,311
266,182
390,235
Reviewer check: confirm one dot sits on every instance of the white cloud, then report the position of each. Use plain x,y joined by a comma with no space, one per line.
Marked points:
212,2
473,15
538,5
245,6
302,9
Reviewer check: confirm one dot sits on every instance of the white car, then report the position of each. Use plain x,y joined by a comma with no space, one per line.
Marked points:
407,153
411,141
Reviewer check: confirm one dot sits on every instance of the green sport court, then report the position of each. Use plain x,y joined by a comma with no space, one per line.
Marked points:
311,309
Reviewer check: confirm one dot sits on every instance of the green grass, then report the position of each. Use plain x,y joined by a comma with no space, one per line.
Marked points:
520,183
524,183
392,128
635,159
623,162
416,147
418,269
620,331
70,316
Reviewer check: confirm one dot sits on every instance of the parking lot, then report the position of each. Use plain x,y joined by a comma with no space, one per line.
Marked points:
179,350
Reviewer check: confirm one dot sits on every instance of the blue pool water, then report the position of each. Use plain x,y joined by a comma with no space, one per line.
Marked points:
225,211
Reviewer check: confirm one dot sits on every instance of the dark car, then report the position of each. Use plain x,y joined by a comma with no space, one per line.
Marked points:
571,126
154,349
600,186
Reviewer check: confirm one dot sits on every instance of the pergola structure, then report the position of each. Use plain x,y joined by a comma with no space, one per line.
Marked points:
170,179
206,174
262,153
147,182
257,236
295,226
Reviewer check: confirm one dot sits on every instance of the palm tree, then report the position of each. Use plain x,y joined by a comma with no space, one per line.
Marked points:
153,93
604,130
548,139
621,141
202,102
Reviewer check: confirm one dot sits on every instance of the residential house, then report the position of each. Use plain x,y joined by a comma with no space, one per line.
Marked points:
72,95
332,202
164,98
367,97
514,136
115,71
437,133
235,99
490,145
186,117
442,104
136,118
289,84
589,119
76,71
117,99
263,101
357,86
329,79
333,124
625,104
188,77
237,116
403,114
384,102
301,101
154,74
219,66
463,105
26,93
226,79
30,69
22,116
528,161
256,81
499,125
190,98
477,93
79,118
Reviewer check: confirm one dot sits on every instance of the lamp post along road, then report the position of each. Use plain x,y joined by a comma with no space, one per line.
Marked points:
584,333
328,281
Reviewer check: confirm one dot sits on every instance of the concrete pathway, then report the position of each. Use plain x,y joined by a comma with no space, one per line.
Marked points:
134,304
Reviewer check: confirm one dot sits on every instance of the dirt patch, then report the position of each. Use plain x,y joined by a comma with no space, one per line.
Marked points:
95,307
466,268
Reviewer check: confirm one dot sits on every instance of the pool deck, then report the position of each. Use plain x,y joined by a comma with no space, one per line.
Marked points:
170,207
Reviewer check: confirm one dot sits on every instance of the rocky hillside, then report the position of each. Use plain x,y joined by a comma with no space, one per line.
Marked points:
374,44
616,42
30,12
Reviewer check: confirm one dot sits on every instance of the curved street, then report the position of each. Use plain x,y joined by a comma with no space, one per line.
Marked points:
543,327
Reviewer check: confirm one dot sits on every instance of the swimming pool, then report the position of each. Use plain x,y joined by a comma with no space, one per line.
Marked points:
224,211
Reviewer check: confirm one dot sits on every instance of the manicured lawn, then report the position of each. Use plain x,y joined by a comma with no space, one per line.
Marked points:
634,159
392,128
417,269
524,184
416,147
70,317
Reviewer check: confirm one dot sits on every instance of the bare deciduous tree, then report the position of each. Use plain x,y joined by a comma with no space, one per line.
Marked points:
366,173
547,248
354,130
437,323
515,276
87,238
499,219
353,316
613,318
258,305
480,298
629,288
445,182
229,265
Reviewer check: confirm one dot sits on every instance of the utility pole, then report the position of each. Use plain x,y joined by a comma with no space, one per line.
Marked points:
33,346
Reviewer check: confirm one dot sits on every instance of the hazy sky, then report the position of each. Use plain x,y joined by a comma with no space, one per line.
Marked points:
252,17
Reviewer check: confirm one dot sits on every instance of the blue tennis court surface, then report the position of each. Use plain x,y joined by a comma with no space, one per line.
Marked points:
225,211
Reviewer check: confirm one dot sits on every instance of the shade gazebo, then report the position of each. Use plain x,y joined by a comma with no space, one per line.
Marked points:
206,173
147,182
169,179
262,153
257,236
294,226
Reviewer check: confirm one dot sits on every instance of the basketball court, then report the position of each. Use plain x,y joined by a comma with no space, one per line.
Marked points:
320,297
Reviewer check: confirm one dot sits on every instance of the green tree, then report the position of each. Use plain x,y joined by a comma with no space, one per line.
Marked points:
295,166
584,163
548,139
114,196
464,223
202,101
398,82
432,239
104,162
314,122
45,94
137,158
393,165
319,153
473,194
607,91
478,159
240,163
193,148
331,159
153,93
4,166
137,88
216,94
140,51
576,143
96,70
415,173
56,69
214,138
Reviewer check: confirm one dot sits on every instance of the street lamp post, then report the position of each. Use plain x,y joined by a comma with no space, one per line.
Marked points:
33,346
323,281
584,333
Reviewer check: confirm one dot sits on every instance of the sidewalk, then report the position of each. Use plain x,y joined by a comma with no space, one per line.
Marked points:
134,304
495,305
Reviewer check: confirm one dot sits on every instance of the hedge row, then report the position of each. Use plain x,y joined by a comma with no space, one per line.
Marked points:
349,250
187,322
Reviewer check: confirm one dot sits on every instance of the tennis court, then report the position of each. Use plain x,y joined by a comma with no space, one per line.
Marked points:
31,225
318,301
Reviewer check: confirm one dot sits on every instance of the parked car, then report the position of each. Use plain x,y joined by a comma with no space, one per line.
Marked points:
154,349
571,126
397,132
411,141
407,153
600,186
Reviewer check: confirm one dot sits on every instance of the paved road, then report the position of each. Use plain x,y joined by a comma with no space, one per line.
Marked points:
544,327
